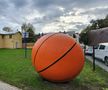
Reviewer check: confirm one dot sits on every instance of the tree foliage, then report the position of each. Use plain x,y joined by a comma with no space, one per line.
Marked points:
84,38
27,27
7,29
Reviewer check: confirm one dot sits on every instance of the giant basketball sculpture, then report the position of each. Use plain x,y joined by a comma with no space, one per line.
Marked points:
57,57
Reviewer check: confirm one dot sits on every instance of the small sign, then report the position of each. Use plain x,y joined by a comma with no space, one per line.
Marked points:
25,34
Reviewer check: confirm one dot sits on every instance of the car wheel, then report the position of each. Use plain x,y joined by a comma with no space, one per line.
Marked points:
106,61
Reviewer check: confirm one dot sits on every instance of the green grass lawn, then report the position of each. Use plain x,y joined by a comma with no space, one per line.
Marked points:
18,71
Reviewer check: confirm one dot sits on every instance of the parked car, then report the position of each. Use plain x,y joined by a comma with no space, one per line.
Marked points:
89,50
101,52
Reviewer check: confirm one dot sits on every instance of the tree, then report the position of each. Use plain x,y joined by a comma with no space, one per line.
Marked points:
99,23
24,27
106,17
7,29
84,38
28,28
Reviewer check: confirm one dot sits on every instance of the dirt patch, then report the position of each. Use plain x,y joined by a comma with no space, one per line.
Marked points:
71,86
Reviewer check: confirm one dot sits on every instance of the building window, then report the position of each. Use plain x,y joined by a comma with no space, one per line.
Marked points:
10,36
2,36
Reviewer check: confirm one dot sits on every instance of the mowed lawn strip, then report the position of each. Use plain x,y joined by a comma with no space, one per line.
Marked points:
18,71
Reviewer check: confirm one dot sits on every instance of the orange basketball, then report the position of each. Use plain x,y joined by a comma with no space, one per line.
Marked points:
57,57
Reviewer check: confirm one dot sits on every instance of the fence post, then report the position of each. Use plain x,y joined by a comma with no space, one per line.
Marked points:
93,58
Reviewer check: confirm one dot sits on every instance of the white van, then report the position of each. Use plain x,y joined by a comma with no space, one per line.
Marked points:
101,52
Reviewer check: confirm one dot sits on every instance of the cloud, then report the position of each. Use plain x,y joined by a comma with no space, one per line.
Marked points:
51,15
19,3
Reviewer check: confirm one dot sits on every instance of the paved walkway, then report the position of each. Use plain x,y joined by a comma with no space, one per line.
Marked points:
5,86
100,64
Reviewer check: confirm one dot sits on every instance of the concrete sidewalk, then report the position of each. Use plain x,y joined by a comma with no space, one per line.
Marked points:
5,86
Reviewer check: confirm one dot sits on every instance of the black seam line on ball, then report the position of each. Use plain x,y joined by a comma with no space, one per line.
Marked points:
41,45
58,58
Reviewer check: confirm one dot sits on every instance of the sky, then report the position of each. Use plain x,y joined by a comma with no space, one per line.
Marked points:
51,15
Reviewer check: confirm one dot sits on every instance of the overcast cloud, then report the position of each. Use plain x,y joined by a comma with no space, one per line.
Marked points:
51,15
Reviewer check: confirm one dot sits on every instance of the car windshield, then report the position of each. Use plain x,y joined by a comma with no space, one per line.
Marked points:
89,48
102,47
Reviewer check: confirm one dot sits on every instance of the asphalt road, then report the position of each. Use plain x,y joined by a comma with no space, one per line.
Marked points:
99,63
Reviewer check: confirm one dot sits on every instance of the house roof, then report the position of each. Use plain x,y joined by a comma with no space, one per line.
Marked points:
98,36
8,33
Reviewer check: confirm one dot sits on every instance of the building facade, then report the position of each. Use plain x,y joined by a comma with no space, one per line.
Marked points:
11,39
